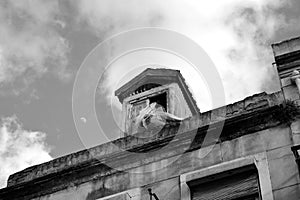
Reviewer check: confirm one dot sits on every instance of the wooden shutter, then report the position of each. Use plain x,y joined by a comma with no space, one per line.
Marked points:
235,186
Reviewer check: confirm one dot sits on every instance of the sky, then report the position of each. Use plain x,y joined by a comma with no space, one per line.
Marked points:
43,44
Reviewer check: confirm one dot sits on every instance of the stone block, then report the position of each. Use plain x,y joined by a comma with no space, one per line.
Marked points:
287,46
218,114
289,193
279,152
252,144
206,156
230,150
194,123
256,101
291,92
256,105
296,139
184,126
205,118
276,137
283,172
286,81
295,126
235,108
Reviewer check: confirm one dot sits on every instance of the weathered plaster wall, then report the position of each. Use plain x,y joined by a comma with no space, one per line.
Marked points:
177,98
276,142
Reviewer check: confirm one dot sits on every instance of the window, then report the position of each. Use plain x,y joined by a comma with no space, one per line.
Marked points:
161,100
133,194
238,184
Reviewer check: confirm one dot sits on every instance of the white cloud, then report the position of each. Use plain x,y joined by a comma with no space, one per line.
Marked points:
19,148
111,16
30,44
237,34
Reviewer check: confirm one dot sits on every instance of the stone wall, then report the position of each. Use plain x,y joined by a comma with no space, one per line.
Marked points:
275,142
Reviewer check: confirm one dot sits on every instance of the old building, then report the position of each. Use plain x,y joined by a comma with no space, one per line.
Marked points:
170,150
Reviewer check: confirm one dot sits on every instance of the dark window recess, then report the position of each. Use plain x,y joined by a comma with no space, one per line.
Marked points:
227,186
146,87
160,99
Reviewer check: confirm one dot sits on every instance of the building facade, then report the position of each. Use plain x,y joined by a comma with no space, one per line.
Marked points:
243,151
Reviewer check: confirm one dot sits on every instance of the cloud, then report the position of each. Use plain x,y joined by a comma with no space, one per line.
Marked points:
30,42
236,34
19,148
111,16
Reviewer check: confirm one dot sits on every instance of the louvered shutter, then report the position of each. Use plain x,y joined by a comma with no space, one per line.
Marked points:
227,188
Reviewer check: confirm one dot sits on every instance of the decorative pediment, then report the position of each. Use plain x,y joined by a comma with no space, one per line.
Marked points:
152,78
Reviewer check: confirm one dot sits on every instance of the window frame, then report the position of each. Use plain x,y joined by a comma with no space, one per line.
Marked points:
133,194
258,160
129,101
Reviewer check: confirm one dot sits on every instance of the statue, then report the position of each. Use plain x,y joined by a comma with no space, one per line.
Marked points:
154,116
